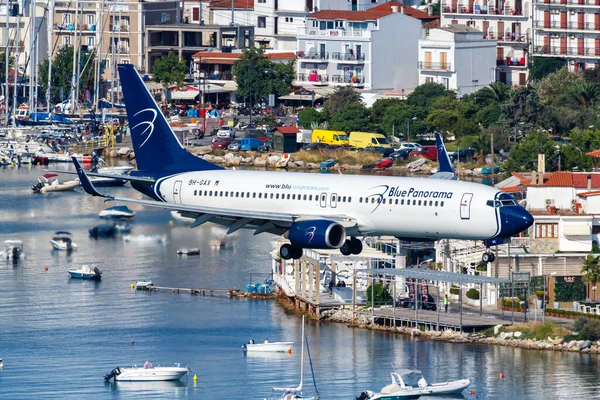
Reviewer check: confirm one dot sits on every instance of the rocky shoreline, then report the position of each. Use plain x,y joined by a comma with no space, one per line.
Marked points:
509,339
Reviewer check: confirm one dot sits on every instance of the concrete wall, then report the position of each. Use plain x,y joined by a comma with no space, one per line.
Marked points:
474,63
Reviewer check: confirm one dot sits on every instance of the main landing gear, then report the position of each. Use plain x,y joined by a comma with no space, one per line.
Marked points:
488,256
287,251
352,246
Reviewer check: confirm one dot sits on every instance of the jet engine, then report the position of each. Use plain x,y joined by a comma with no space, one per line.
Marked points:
317,234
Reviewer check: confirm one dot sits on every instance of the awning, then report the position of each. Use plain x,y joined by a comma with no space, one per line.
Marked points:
301,97
184,95
576,229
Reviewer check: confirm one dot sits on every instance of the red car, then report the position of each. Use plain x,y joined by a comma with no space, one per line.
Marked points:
221,143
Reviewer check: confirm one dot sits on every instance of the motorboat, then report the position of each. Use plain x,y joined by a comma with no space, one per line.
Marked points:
62,241
189,252
265,345
143,285
147,373
13,250
50,183
117,212
103,231
1,364
86,273
123,227
144,239
410,383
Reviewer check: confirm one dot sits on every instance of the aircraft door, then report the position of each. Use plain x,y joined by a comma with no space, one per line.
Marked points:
465,206
333,200
323,200
177,192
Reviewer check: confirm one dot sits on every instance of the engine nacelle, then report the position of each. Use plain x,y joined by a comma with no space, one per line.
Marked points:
317,234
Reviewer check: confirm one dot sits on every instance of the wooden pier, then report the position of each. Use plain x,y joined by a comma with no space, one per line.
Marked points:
210,292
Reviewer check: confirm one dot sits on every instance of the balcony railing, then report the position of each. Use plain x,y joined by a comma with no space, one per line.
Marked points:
118,49
348,79
434,66
573,25
119,28
312,55
448,9
312,78
348,56
512,61
514,37
569,51
334,32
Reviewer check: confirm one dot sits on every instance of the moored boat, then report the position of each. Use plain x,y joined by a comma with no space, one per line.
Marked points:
147,373
268,346
48,183
328,163
103,231
116,212
85,273
13,250
62,241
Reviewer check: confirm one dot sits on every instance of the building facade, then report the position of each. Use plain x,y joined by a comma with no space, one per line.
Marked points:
339,48
509,23
567,29
458,57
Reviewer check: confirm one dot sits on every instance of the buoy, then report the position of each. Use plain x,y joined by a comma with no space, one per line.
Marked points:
501,376
170,223
133,342
289,351
195,378
46,268
472,393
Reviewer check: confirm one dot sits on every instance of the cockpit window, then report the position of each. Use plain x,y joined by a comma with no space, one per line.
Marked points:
505,199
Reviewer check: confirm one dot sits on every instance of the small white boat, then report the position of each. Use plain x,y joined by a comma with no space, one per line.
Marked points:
13,250
410,383
268,346
1,364
49,183
62,241
189,252
143,285
85,273
147,373
116,212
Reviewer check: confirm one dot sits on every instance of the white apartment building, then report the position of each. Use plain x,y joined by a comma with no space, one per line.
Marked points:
509,23
340,47
458,57
569,29
276,22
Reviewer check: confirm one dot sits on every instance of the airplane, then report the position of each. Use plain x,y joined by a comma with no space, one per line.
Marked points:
313,211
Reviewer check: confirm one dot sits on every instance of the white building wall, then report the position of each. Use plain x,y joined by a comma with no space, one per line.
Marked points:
394,61
474,63
537,196
574,243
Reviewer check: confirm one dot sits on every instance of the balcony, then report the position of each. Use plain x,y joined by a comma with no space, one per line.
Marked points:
567,51
312,55
334,33
570,2
512,62
434,66
347,56
571,25
512,37
484,10
357,80
312,78
119,28
118,49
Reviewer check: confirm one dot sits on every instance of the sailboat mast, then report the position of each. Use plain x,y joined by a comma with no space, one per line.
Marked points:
16,69
6,59
79,57
50,44
31,54
98,75
37,60
75,61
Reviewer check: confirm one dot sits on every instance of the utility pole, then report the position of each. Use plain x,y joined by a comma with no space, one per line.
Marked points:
250,123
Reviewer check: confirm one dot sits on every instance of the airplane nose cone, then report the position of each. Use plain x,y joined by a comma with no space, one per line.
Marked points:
514,220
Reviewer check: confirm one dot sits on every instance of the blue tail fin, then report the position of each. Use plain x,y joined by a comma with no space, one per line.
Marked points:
443,158
156,146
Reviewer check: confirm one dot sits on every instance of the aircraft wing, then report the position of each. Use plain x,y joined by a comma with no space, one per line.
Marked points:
267,221
446,171
129,178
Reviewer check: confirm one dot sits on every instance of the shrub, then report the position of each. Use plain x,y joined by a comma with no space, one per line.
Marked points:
591,331
509,302
580,323
481,268
473,294
539,294
569,291
382,295
454,290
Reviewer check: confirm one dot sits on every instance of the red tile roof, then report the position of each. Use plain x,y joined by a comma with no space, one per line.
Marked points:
589,194
217,57
578,180
594,153
372,13
241,4
288,130
513,189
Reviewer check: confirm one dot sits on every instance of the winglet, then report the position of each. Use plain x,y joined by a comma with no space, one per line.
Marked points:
85,181
443,158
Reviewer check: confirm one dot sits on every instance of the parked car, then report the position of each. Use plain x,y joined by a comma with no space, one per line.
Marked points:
236,145
464,155
412,146
226,131
430,304
259,134
221,143
384,151
251,143
400,154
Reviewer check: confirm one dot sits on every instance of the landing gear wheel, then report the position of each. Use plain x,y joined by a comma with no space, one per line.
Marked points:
286,251
296,252
356,246
346,248
488,257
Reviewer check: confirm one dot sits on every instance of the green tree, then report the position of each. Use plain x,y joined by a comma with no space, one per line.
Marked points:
524,106
540,67
495,93
553,88
399,119
258,77
169,69
381,107
425,95
355,117
11,64
523,155
585,93
378,295
62,72
443,115
309,115
488,115
591,271
341,98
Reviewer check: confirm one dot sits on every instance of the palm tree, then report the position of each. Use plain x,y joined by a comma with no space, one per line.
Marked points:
591,272
497,92
586,93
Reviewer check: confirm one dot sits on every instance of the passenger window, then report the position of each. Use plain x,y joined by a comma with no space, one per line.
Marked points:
430,203
221,193
237,194
304,197
254,195
310,197
419,202
396,201
226,194
206,192
442,204
360,199
293,197
271,195
414,202
344,198
349,199
210,193
277,196
288,196
402,202
231,194
436,203
247,194
372,199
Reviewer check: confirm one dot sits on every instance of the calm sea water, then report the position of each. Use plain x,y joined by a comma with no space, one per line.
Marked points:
58,337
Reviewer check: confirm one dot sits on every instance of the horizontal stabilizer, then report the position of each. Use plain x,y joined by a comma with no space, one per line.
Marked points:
85,181
129,178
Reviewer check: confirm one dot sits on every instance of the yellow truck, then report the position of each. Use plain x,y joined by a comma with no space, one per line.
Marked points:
330,137
360,140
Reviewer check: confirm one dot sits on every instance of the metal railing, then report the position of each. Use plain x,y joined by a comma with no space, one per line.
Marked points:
513,37
485,10
334,32
348,79
571,51
347,56
312,56
312,78
434,66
